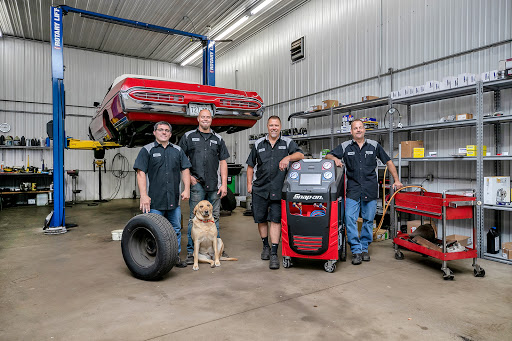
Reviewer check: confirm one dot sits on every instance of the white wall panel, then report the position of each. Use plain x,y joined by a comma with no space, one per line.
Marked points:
26,97
344,43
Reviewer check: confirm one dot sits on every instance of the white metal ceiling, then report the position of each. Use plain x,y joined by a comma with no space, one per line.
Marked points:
30,19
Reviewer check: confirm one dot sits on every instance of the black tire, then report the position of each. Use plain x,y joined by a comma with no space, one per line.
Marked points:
150,246
228,203
99,154
342,247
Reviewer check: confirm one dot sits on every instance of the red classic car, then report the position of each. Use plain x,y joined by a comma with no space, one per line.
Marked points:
133,104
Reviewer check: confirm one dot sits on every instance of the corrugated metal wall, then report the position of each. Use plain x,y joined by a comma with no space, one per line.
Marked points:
26,97
349,41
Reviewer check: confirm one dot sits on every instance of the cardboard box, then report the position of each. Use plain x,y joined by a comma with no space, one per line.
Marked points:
461,117
429,245
408,147
360,224
463,240
317,107
448,83
383,235
496,189
472,150
418,153
432,86
330,103
369,98
412,225
507,250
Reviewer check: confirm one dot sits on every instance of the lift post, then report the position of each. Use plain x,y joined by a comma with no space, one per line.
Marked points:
57,223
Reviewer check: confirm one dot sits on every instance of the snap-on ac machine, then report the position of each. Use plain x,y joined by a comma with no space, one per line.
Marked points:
312,213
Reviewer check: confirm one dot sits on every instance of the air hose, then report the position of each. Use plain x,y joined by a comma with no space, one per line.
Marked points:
385,204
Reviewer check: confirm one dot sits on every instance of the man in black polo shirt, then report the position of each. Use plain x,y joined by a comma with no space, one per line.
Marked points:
270,156
158,168
208,153
360,157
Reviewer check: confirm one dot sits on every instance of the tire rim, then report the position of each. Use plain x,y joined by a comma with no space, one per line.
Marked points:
143,247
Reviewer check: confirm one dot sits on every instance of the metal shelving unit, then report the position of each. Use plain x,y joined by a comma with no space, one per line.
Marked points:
476,90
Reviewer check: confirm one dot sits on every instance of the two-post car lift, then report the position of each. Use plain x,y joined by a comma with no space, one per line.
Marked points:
57,222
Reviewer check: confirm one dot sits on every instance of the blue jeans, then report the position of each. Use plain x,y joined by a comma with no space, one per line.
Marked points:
197,193
368,210
174,217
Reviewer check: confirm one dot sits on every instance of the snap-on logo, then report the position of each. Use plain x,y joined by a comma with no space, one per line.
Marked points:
307,197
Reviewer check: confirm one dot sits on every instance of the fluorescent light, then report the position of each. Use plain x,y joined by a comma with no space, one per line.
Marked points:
232,27
192,57
219,37
260,7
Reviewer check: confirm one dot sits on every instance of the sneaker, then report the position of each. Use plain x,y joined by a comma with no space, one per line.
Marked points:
224,254
366,257
356,259
265,254
180,263
274,262
190,258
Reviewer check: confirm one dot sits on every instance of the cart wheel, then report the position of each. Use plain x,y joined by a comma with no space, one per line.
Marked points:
399,255
480,273
287,262
447,274
329,266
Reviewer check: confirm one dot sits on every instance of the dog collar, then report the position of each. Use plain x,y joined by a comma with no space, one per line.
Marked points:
207,221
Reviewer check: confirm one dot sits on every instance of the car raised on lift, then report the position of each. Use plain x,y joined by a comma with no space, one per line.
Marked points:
134,103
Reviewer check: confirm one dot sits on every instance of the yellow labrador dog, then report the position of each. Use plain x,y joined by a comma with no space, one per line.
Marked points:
207,247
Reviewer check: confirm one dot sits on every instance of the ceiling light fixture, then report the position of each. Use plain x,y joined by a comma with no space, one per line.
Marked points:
219,37
232,27
192,57
260,7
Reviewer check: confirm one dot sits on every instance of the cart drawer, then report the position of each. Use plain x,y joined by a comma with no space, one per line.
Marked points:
431,205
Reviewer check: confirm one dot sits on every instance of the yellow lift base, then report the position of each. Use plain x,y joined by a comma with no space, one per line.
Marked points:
90,145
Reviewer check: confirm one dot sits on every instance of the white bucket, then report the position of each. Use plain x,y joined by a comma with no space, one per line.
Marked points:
117,234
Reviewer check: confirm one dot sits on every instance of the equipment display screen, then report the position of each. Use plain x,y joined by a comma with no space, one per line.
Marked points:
310,179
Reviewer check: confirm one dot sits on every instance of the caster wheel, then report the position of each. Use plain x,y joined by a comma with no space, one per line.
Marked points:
399,255
480,273
448,274
329,267
287,263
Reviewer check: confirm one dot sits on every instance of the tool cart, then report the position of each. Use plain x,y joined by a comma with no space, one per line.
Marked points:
442,206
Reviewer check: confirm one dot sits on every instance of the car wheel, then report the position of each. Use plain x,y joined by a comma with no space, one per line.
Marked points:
149,246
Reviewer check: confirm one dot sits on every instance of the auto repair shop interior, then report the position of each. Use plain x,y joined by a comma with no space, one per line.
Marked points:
82,84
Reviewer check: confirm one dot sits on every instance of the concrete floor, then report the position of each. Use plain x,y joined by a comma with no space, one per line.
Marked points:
76,287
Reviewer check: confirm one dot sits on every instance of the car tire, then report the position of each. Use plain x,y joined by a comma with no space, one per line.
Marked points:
228,203
149,246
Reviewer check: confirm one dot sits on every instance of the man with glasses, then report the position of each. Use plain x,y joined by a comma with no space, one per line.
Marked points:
208,153
158,168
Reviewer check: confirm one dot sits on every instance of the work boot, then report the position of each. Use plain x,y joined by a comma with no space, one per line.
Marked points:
274,262
265,254
366,257
180,263
190,258
357,258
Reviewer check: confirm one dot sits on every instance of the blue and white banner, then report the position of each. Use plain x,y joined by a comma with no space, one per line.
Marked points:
57,45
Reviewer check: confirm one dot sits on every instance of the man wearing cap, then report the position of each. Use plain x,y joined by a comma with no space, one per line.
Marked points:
158,168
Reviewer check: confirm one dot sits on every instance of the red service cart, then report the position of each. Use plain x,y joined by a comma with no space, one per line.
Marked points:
442,206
